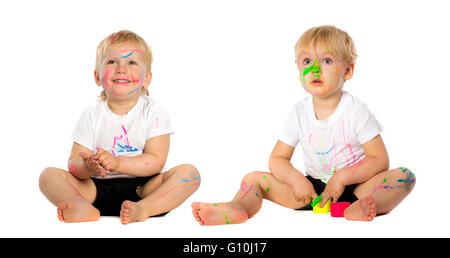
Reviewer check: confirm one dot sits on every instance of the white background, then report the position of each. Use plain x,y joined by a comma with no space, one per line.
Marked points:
225,71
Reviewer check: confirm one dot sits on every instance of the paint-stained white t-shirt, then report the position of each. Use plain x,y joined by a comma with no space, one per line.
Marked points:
126,135
331,144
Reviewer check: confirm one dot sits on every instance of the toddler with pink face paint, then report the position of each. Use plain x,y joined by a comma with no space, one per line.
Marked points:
117,163
344,154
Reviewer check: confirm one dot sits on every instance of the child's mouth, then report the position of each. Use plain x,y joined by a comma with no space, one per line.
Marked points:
316,82
120,81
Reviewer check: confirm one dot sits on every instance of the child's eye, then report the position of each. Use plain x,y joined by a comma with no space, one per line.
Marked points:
111,62
131,62
328,61
306,61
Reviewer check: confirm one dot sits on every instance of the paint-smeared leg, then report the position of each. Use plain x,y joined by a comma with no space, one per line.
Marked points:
255,187
73,197
162,193
387,189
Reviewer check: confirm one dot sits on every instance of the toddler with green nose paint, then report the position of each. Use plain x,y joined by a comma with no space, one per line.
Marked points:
344,154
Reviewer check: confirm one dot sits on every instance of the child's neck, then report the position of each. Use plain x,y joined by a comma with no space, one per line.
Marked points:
325,107
121,107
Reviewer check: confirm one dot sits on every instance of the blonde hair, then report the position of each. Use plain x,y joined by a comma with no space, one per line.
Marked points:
122,37
337,41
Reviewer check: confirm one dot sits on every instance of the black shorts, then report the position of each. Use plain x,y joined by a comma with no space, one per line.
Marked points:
111,193
319,186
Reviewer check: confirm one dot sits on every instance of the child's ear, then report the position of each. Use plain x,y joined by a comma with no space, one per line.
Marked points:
349,72
97,78
148,79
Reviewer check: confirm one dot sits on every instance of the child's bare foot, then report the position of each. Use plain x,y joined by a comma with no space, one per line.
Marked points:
363,210
73,211
132,212
218,213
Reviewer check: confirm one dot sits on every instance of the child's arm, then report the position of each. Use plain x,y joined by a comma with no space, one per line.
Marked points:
376,161
281,167
149,163
82,164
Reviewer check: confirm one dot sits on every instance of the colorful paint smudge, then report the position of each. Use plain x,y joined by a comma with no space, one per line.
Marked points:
123,149
73,170
315,68
407,182
193,181
245,190
227,221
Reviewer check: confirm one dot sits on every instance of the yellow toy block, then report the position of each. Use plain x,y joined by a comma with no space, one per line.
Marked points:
325,209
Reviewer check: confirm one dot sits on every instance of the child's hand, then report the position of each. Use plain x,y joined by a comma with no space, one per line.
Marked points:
334,189
107,160
93,164
305,192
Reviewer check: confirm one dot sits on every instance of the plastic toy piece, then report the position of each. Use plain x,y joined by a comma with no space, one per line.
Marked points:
325,209
337,209
318,199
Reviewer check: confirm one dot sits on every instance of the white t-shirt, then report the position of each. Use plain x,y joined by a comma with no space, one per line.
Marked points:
99,127
331,144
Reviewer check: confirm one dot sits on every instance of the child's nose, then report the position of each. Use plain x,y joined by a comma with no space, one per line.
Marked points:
316,67
121,68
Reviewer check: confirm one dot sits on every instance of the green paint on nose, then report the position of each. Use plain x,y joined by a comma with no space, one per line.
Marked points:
315,68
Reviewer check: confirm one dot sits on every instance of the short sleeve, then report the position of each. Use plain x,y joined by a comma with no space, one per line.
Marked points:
290,132
83,133
158,122
366,125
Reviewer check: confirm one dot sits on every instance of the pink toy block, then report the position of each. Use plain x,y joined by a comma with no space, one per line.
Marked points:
337,208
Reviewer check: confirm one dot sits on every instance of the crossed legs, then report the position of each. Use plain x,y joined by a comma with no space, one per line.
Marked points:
73,197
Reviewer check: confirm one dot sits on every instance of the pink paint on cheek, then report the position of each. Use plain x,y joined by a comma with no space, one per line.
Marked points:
106,75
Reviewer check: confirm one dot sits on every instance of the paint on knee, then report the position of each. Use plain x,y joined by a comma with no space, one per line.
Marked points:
265,185
193,177
409,180
245,189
